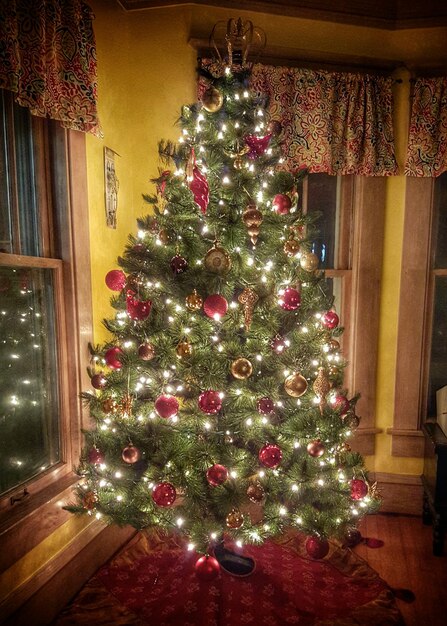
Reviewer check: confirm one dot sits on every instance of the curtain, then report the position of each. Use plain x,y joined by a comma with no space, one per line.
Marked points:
427,140
337,123
48,58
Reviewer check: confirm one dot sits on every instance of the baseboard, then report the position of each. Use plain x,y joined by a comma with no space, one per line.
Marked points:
401,493
40,599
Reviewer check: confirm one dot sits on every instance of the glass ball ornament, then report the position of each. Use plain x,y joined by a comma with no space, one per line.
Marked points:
215,305
270,455
207,568
212,100
255,492
274,127
330,319
265,406
241,368
359,488
95,456
216,475
353,537
309,261
98,381
217,260
193,301
290,300
292,246
166,406
131,454
234,519
112,358
278,344
317,548
164,494
178,264
295,385
210,402
137,309
281,204
183,349
115,280
315,448
341,404
146,351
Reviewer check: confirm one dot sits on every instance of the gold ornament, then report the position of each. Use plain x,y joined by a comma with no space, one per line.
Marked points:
234,519
241,368
89,499
165,237
109,406
238,163
194,302
252,218
295,385
256,492
248,299
321,387
184,349
212,100
333,345
125,405
309,261
292,246
217,259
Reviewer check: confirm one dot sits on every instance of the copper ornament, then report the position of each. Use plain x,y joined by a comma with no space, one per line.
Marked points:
234,519
292,246
256,492
183,349
241,368
252,218
321,387
248,299
309,261
217,260
89,499
212,100
109,406
333,345
146,351
295,385
125,405
165,236
238,163
194,301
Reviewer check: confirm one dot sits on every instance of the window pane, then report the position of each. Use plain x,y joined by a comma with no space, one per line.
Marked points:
440,203
29,395
438,358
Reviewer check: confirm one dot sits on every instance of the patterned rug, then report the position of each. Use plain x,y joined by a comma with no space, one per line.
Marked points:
152,582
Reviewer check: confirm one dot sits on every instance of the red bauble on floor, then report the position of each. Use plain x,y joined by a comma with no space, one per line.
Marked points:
207,568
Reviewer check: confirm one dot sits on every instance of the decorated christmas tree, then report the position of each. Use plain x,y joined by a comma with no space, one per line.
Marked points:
218,402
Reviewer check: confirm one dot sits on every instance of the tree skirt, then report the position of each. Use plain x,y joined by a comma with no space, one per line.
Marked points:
153,582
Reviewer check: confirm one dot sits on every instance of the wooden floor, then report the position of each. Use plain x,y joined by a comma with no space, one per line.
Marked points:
406,561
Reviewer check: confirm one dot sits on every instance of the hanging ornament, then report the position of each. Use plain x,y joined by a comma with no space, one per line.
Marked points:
321,387
98,381
210,402
139,248
278,344
164,494
295,385
241,368
359,489
309,261
161,182
257,145
133,283
197,183
131,454
216,475
217,259
146,351
212,100
270,455
89,499
234,519
317,548
116,280
265,406
252,218
315,448
330,319
178,264
256,492
125,405
353,537
165,237
274,127
215,305
112,358
351,420
341,404
290,300
292,246
207,568
95,456
238,163
166,406
193,302
281,204
109,406
183,349
333,345
137,309
248,299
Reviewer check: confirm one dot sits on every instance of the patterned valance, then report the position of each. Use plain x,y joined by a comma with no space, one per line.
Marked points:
337,123
48,58
427,140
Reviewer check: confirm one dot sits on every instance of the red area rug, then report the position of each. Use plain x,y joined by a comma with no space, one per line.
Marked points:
153,582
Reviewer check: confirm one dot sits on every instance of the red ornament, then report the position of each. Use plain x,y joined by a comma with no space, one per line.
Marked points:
257,145
281,204
290,299
210,402
137,309
317,548
215,305
139,247
315,448
216,475
274,127
270,455
341,403
207,568
178,264
198,185
330,320
353,537
131,454
146,351
164,494
115,280
95,456
166,406
161,183
265,406
278,344
112,357
98,381
359,489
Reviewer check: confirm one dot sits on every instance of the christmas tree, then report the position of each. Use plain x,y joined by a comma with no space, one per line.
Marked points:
219,403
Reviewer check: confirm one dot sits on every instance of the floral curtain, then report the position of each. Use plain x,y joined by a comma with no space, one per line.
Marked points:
48,58
337,123
427,141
